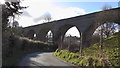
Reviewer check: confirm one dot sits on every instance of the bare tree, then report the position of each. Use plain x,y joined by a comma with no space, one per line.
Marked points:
106,7
81,42
47,17
108,29
15,24
9,10
107,17
105,30
102,18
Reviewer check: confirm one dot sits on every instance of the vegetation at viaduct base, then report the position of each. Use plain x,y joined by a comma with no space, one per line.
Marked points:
93,56
15,46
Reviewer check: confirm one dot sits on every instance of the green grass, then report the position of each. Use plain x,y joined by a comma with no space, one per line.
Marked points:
94,56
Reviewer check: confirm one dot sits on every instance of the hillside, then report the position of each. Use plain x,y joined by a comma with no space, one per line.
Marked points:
93,55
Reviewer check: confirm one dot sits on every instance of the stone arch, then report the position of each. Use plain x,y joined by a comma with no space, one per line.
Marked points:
96,26
49,36
91,29
61,33
71,41
30,34
42,34
97,36
115,25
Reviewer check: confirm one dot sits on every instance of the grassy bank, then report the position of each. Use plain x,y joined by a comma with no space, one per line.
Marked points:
93,56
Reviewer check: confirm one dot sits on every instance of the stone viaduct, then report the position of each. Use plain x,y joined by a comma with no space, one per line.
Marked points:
86,25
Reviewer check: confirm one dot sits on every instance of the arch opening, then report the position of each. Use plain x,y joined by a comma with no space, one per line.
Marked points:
45,35
49,36
71,39
35,35
31,34
107,29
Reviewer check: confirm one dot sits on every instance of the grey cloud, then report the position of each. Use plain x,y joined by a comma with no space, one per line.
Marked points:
38,19
25,13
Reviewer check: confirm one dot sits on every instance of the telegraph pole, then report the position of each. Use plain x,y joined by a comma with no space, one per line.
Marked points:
61,42
101,38
69,42
81,44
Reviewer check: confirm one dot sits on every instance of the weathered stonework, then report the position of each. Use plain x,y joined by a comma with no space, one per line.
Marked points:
84,23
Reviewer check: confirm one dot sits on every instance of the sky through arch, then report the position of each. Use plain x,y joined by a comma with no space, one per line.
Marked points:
73,31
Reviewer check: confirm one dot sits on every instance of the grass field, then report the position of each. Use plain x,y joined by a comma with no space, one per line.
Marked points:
93,55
